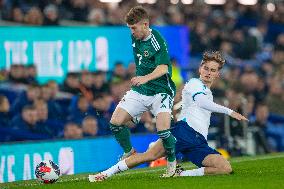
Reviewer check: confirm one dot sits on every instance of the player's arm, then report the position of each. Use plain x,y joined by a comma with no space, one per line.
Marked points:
162,61
159,71
209,105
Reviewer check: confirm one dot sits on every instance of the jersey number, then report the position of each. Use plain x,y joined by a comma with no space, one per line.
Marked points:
140,58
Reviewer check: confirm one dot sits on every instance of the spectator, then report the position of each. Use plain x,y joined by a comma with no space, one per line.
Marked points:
5,116
234,98
131,69
72,131
260,123
119,72
55,111
96,17
277,57
17,74
26,98
249,87
90,126
79,10
275,99
79,109
51,127
119,88
87,83
100,85
197,39
26,120
31,74
17,15
53,85
102,104
50,15
34,17
45,92
71,83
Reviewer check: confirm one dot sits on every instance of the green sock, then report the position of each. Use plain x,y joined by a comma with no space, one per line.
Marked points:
169,142
122,135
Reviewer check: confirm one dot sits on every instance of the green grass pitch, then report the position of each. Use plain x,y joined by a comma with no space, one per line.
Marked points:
249,172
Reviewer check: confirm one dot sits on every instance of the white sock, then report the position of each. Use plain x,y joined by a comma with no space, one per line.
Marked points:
119,167
193,172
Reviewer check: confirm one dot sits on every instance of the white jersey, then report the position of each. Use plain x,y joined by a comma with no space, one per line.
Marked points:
196,117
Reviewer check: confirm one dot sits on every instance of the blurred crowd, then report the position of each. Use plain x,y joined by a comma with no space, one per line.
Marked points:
251,38
81,107
162,12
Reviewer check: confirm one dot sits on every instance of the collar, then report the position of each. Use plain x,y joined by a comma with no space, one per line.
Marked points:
149,36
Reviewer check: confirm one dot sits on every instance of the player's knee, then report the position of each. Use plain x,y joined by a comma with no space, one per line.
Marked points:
227,169
116,122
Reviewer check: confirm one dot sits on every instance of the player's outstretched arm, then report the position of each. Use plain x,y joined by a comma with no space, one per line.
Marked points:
238,116
158,72
203,102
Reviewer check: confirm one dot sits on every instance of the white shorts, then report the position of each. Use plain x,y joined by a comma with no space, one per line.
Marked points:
136,104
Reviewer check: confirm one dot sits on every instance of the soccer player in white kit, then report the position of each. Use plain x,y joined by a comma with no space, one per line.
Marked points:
191,130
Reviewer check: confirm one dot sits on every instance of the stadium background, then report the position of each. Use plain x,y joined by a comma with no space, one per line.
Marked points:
72,61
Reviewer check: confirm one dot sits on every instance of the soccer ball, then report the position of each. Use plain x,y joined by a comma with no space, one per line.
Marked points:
47,172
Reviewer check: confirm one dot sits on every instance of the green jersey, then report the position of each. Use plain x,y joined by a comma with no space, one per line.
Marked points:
148,54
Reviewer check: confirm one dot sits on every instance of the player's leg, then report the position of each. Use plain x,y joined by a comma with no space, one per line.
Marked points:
161,108
213,164
163,121
129,107
119,128
153,153
216,164
208,160
195,148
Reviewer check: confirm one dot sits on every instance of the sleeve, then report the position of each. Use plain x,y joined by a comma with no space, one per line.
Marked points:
162,54
195,87
209,105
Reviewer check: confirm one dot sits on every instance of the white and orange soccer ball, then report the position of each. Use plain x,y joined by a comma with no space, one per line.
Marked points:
47,172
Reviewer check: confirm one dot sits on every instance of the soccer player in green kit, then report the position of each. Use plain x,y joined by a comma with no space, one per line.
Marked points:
152,88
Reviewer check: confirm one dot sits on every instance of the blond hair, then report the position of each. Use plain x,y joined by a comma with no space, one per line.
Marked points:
213,56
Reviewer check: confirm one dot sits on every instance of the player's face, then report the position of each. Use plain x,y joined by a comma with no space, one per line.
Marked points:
139,30
209,71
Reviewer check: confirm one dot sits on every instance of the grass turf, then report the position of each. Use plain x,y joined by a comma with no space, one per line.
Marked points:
249,172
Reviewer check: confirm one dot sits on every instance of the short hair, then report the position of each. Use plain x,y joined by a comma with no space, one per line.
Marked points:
33,86
213,56
261,104
98,96
28,108
135,15
89,118
72,74
70,124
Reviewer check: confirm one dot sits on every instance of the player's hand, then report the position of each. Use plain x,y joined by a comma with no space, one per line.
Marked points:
238,116
139,80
